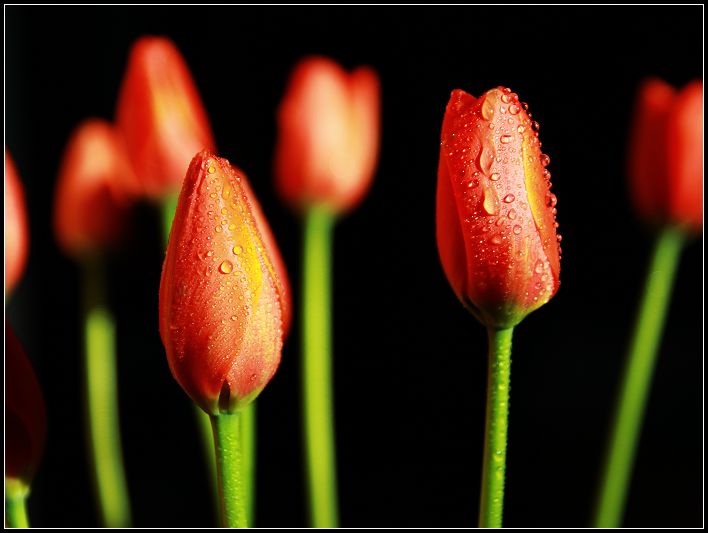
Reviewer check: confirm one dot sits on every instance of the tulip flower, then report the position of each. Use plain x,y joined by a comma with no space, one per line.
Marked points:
224,306
161,116
16,230
329,135
93,191
666,184
666,154
324,164
25,429
496,234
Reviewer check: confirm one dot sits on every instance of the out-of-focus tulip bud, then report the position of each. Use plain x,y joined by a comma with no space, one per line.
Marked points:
25,419
666,154
93,191
16,232
496,227
329,125
224,297
161,116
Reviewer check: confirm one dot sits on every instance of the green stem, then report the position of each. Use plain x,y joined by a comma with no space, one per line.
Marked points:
317,368
491,506
102,400
229,468
248,449
168,208
16,493
636,381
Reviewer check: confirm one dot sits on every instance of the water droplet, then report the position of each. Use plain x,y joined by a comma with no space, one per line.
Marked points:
232,226
539,267
496,239
224,211
487,109
506,139
237,249
233,317
212,195
486,158
226,192
489,203
559,237
509,198
495,176
473,183
517,229
535,126
514,109
226,267
525,106
521,129
211,170
551,200
217,229
502,108
545,160
505,98
511,214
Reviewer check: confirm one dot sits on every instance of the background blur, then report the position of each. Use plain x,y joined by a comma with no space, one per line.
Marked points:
410,363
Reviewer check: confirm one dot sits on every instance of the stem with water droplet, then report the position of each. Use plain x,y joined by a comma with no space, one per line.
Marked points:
317,368
16,493
103,423
636,381
229,467
497,422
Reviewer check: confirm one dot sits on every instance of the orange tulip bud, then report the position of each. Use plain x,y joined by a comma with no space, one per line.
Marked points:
496,228
666,154
161,116
16,231
92,197
25,419
224,298
329,135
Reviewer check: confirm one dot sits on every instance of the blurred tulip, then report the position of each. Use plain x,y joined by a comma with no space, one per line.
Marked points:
496,228
25,419
329,135
93,191
666,154
16,230
161,116
224,298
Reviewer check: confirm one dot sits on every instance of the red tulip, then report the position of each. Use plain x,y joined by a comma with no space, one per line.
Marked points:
161,116
496,228
666,154
224,298
92,197
329,135
16,231
25,419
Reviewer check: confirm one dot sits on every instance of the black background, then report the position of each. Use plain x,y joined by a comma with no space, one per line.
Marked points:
410,363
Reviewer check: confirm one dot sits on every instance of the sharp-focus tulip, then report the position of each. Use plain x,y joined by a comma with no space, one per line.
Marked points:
161,116
666,154
16,232
93,190
329,135
496,228
224,301
25,419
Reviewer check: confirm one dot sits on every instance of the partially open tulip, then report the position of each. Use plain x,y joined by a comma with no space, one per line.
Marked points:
666,154
93,191
161,115
496,227
16,232
224,301
25,419
328,135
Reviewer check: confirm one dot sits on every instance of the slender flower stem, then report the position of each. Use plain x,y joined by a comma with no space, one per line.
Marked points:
168,208
317,369
248,451
229,467
102,400
491,506
16,493
636,381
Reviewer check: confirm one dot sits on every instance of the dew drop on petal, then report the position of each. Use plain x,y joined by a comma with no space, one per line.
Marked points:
514,109
226,267
495,176
545,160
506,139
237,249
487,110
517,229
509,198
511,214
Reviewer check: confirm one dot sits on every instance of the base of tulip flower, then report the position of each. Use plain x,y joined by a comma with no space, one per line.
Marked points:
16,493
229,468
637,378
491,505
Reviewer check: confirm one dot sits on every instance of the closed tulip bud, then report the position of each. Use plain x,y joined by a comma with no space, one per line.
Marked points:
224,301
161,116
93,191
328,135
25,419
496,228
666,154
16,231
